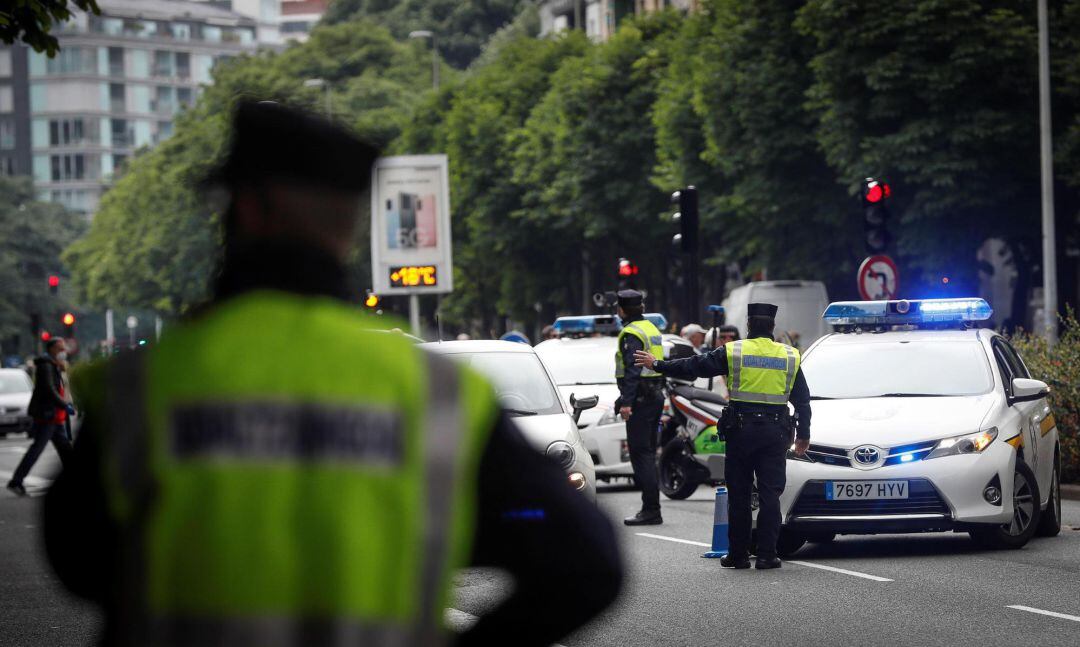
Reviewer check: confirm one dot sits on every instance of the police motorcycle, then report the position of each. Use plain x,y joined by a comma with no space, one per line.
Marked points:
692,446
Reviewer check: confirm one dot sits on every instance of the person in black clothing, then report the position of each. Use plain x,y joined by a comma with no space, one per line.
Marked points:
529,520
758,437
640,403
49,410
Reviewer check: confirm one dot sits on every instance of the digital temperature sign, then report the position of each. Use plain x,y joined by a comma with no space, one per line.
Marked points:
412,276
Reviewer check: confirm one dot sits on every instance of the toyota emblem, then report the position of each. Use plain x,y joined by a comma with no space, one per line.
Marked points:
866,455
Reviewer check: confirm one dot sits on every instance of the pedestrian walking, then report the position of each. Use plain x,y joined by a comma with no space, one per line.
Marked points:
275,472
764,377
641,401
49,408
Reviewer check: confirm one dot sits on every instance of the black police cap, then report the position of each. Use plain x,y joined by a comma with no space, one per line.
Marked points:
630,298
762,310
271,141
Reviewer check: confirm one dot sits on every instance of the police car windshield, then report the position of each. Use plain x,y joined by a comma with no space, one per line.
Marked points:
573,363
916,368
15,383
520,382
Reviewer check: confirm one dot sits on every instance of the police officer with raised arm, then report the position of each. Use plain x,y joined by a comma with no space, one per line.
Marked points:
763,376
641,400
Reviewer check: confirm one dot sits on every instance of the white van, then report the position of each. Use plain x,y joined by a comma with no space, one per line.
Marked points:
801,305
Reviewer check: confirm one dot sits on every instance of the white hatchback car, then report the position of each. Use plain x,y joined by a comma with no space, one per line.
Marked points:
526,392
585,366
15,391
922,422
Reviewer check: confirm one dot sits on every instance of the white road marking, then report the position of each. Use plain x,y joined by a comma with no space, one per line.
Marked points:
866,576
834,569
459,620
674,539
1052,614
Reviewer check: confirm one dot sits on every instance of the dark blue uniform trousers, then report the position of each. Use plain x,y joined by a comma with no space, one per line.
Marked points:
757,447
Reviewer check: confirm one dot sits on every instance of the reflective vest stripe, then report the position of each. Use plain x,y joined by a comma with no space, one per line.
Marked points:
132,486
443,446
645,371
761,362
654,349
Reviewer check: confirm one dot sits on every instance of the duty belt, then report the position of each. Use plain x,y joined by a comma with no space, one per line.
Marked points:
762,416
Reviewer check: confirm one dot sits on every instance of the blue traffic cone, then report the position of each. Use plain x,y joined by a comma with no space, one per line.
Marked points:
720,526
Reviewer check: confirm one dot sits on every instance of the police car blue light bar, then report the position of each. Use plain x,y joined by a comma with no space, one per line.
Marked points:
915,311
603,324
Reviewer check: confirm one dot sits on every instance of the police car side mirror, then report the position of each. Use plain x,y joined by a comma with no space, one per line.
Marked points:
583,404
1025,390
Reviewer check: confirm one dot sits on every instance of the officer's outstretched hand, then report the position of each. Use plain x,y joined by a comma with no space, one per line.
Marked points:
641,358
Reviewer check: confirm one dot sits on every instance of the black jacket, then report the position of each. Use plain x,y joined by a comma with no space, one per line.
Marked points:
46,398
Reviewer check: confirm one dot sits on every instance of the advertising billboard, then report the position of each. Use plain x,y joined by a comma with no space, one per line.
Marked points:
410,225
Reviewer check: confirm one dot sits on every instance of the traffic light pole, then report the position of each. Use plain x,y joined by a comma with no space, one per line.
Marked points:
693,293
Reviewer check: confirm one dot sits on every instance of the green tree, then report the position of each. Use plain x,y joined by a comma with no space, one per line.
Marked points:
31,21
462,27
34,235
937,97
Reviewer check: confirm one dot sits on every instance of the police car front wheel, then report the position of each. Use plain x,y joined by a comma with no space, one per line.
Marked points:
1025,520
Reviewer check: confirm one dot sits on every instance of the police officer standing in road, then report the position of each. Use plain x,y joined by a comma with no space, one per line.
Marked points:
275,472
641,401
763,376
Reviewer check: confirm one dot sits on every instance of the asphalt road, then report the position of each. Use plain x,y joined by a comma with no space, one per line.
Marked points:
935,589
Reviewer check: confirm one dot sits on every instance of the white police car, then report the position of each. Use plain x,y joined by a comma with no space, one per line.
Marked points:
922,422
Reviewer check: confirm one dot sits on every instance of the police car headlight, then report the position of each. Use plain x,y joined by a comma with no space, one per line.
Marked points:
610,417
966,444
562,453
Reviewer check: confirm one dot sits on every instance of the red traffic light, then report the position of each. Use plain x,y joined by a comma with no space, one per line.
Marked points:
45,336
54,281
69,319
876,191
626,268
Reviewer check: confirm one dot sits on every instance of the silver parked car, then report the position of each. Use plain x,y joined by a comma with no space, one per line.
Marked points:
527,393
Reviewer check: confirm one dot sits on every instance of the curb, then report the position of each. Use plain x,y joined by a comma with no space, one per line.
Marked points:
1070,492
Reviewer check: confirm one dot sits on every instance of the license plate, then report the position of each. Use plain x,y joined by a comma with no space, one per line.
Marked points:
848,490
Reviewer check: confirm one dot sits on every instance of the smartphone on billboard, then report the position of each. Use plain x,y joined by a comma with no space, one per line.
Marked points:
425,221
393,225
407,208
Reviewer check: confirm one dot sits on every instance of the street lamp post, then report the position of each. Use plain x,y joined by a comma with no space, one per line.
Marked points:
321,83
1049,246
424,33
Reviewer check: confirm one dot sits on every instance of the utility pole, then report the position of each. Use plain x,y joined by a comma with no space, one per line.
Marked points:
1049,238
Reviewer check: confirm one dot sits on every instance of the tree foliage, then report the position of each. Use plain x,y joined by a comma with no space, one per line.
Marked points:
34,235
461,27
31,21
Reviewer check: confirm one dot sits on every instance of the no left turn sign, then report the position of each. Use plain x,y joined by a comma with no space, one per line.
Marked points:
879,280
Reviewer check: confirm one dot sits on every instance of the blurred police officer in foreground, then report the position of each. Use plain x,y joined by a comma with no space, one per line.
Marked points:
641,401
763,376
275,473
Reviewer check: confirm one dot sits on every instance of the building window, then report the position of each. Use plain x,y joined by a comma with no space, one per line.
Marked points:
211,34
163,100
184,97
7,165
7,134
73,60
68,132
181,31
119,161
7,99
121,137
117,97
74,167
164,130
183,65
163,64
116,61
5,62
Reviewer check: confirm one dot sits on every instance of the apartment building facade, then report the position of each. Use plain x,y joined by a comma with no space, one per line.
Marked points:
120,78
599,19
